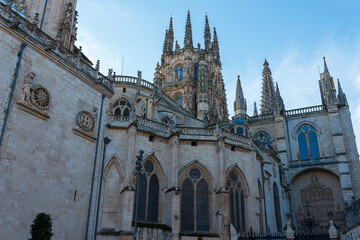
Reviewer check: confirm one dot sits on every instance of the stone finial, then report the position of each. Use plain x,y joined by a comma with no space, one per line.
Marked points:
290,233
333,233
36,19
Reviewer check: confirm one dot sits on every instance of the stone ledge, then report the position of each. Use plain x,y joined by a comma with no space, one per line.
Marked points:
84,134
33,110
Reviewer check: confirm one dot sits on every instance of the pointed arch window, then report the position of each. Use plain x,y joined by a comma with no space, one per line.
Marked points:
308,142
179,71
237,201
262,137
148,205
195,213
196,69
121,108
180,101
240,131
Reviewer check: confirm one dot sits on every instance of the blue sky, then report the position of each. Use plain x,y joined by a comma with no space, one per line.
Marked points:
292,35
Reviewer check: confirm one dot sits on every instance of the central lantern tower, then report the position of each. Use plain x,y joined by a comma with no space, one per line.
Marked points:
192,76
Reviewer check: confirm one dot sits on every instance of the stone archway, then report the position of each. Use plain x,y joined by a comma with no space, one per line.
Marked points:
317,195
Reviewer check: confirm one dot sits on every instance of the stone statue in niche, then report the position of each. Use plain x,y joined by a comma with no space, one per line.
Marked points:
28,87
132,113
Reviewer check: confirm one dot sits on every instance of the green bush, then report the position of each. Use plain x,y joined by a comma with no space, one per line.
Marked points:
41,227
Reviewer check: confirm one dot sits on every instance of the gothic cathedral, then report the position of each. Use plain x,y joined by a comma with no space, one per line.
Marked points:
70,137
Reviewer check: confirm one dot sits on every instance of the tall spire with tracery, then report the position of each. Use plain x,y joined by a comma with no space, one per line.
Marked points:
207,34
327,87
268,92
188,42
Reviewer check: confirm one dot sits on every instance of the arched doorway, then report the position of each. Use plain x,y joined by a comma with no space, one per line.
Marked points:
317,195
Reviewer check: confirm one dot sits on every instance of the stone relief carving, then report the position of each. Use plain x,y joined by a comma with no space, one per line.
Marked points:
318,202
86,120
35,94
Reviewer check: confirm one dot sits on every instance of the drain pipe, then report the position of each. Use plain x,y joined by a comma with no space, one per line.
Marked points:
23,46
106,142
93,175
263,187
43,16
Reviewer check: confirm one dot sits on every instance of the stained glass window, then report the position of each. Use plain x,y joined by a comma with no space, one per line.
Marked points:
263,137
195,205
176,73
180,101
202,206
149,190
153,201
308,142
196,71
187,206
240,131
237,201
181,72
121,108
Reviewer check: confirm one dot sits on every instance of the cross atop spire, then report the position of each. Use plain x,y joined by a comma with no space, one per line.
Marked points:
188,42
207,34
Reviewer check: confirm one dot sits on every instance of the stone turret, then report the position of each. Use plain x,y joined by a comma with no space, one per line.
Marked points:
268,92
255,110
192,76
240,101
327,87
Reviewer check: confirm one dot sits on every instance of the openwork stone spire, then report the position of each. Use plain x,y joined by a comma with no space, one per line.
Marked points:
341,95
164,47
207,34
215,46
240,101
188,42
170,40
279,101
268,92
327,87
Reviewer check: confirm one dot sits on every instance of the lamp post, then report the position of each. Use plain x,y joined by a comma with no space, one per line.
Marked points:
137,172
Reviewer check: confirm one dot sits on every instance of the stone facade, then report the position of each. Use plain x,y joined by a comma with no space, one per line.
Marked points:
70,137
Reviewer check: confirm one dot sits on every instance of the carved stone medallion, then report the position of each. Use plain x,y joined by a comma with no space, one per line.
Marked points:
40,97
85,120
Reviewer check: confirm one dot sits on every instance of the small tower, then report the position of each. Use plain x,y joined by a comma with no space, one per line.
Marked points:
255,109
240,101
268,92
327,87
215,47
157,76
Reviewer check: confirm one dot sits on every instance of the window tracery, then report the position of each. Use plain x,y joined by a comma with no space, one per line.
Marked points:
179,71
195,204
262,137
121,108
149,189
237,201
308,142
